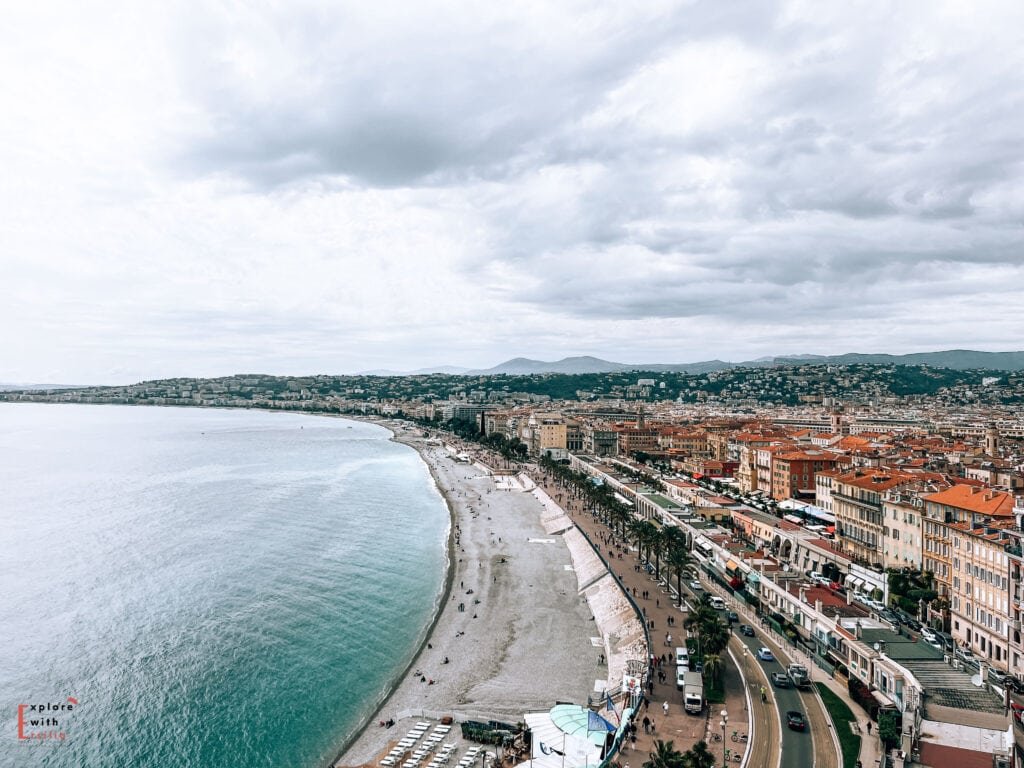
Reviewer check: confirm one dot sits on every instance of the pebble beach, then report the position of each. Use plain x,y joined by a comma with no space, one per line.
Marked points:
514,633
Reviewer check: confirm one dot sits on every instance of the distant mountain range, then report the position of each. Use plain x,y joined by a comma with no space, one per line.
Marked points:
959,359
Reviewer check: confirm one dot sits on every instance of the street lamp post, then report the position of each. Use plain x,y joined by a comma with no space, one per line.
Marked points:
725,722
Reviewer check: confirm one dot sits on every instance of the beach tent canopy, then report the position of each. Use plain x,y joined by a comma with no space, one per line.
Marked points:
560,737
581,722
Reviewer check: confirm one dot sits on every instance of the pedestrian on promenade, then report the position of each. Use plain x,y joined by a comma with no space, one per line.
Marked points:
664,708
869,727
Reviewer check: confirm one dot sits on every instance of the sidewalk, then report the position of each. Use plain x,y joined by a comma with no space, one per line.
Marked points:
677,726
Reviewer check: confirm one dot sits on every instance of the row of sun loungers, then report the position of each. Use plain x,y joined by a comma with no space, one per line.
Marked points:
470,757
420,753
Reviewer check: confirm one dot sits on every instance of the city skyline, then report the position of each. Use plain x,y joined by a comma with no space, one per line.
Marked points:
333,189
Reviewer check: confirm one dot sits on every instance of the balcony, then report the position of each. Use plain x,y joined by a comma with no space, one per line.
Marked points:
877,508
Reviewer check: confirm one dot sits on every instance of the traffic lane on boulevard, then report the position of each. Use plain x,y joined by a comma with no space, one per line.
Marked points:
818,722
765,731
797,746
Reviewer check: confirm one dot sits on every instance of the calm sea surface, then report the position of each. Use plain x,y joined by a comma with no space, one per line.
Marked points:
214,588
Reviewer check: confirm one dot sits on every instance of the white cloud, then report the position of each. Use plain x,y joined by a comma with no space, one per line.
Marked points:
336,187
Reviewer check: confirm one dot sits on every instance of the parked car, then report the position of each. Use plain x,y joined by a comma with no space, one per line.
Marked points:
966,656
682,656
997,677
796,720
765,654
929,636
779,680
889,616
746,629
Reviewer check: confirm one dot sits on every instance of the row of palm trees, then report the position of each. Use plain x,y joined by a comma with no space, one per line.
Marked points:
665,755
665,548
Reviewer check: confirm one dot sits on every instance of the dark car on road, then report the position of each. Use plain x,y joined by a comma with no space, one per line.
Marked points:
796,720
732,616
780,680
746,629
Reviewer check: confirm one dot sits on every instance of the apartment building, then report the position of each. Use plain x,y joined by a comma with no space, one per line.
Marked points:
687,441
636,437
857,504
763,458
600,440
979,595
823,488
746,444
971,508
545,433
792,472
903,516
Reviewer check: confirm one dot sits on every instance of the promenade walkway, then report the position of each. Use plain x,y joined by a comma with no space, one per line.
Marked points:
658,607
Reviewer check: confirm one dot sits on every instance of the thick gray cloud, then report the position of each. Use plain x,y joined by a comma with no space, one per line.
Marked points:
334,187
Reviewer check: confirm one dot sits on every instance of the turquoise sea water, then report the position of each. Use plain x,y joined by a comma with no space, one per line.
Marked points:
214,588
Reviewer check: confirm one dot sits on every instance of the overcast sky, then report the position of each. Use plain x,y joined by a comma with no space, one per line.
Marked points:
202,189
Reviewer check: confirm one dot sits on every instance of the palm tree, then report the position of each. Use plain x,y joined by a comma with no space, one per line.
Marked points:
665,755
713,666
655,544
678,559
699,757
635,530
677,556
716,636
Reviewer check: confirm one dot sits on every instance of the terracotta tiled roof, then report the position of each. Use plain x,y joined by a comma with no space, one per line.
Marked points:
974,499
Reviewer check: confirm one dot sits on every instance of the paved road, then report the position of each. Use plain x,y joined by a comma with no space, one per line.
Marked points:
797,747
813,747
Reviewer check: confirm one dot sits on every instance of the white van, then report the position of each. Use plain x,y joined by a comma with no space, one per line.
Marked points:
717,603
682,657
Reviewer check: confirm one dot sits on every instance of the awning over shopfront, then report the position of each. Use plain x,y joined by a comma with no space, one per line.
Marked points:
883,700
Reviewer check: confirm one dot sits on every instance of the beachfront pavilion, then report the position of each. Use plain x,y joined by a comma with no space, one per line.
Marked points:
567,736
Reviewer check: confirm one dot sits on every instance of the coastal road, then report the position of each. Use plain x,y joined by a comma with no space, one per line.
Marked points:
797,747
812,747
